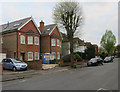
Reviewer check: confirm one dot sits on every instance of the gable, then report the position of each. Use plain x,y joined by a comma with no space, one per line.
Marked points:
56,31
29,26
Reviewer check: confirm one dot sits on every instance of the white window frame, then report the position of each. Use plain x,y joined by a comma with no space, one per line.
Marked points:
58,42
53,42
35,40
28,56
37,55
54,54
29,40
57,55
22,39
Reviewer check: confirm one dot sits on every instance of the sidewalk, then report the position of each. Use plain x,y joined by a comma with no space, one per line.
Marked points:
30,73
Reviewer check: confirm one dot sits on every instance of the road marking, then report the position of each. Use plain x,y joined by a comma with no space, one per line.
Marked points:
22,81
103,89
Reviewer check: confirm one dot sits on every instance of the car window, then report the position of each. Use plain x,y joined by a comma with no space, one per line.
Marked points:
8,61
16,61
4,60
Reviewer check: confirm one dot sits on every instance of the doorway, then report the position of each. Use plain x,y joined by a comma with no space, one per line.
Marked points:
22,56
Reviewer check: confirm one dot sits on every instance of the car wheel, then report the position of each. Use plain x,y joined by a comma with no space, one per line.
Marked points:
14,69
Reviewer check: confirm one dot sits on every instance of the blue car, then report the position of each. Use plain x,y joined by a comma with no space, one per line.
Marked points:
14,64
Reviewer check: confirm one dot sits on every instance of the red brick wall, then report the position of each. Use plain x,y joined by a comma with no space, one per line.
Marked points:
45,44
29,26
56,48
56,32
34,64
26,47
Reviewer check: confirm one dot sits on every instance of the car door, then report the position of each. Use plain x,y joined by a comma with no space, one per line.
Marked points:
4,61
9,64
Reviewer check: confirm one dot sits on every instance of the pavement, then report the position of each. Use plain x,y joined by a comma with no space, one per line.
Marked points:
103,77
9,75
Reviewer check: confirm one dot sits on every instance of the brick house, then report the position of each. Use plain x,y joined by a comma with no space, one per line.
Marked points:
21,39
50,41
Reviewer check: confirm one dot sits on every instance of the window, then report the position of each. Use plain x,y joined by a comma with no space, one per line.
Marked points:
58,55
36,41
1,40
30,55
30,40
22,39
53,42
58,42
36,56
53,54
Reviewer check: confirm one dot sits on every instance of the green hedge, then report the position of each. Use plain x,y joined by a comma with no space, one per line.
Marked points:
67,58
77,56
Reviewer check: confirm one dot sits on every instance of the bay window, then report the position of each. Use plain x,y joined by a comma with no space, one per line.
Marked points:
53,42
22,39
30,56
36,41
30,40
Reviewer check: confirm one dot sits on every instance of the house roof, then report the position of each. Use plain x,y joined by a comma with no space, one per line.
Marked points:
13,26
48,29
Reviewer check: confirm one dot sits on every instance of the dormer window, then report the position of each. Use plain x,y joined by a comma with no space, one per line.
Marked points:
16,25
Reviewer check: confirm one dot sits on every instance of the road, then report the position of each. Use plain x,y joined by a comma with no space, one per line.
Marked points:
87,78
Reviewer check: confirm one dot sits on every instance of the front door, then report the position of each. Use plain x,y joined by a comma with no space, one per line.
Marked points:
22,56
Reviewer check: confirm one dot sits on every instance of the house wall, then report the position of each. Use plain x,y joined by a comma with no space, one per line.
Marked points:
65,48
45,44
80,49
56,48
10,44
26,47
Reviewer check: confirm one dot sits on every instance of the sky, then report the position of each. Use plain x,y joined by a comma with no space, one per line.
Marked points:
98,16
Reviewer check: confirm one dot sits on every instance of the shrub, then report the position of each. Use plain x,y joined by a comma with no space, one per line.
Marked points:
67,58
77,56
75,66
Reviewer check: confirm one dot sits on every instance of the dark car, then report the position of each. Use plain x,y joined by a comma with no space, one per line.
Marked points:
95,61
14,64
108,59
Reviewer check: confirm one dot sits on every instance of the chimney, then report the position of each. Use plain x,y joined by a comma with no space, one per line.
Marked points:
42,26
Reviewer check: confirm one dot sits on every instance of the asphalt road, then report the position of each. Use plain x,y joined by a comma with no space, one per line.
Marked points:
87,78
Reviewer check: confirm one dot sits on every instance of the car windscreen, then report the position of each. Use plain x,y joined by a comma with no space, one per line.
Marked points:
107,58
16,61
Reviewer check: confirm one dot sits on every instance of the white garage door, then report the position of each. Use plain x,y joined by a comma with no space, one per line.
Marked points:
2,56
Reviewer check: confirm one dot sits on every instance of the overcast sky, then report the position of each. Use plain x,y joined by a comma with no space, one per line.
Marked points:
99,16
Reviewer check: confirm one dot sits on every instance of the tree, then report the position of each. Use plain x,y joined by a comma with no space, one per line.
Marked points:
90,52
108,41
69,16
117,51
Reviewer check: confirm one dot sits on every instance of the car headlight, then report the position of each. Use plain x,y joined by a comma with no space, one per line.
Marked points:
17,65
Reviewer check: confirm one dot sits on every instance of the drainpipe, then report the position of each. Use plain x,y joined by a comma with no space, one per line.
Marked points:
50,44
17,44
40,46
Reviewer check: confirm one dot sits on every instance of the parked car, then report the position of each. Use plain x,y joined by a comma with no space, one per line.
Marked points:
95,61
13,64
108,59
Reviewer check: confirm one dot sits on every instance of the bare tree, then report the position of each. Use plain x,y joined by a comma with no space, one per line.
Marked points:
69,15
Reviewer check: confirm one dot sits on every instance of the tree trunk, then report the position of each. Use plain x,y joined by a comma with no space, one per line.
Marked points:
71,52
